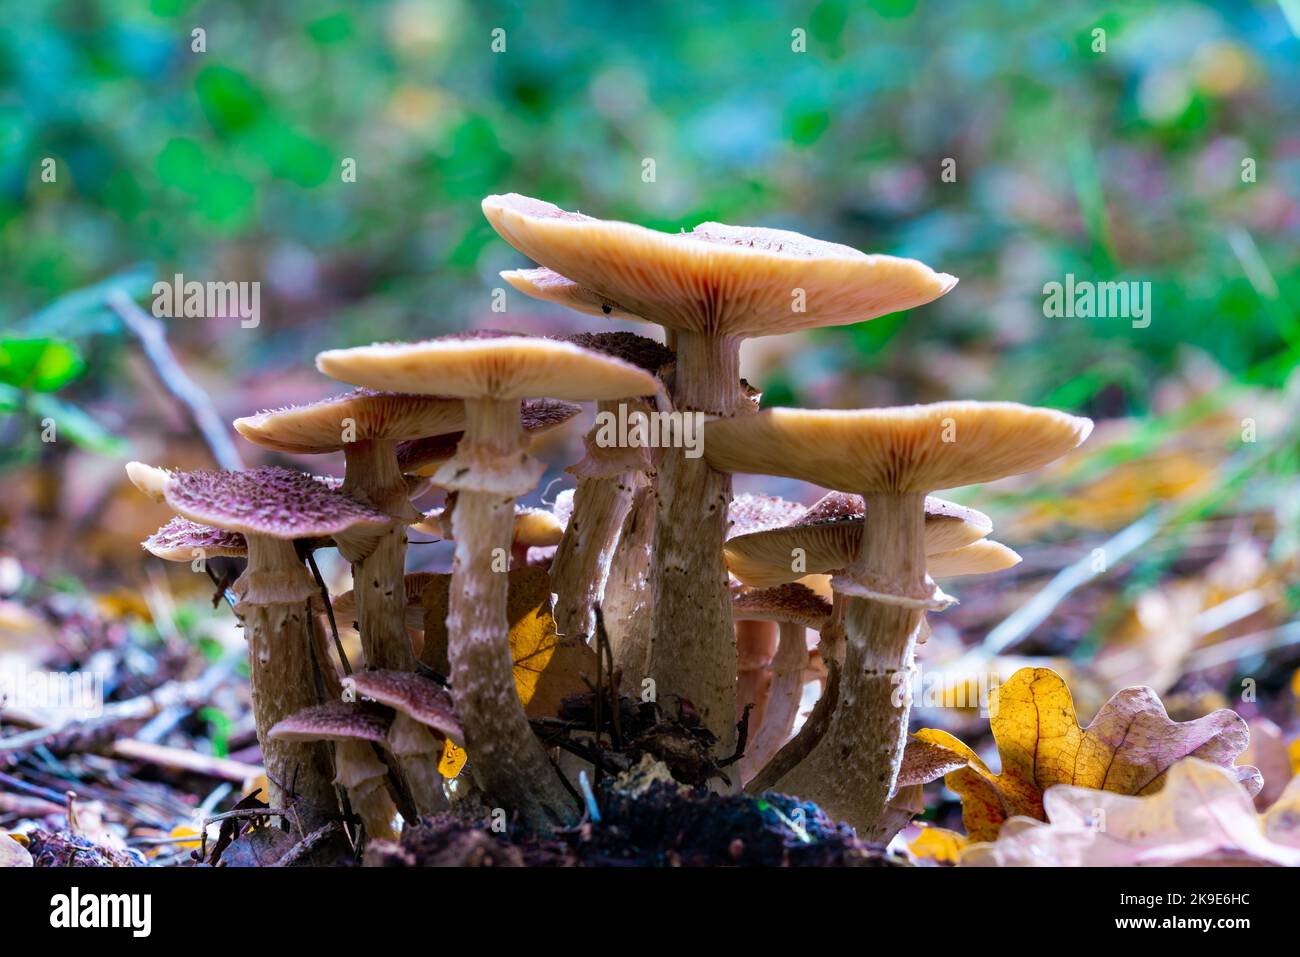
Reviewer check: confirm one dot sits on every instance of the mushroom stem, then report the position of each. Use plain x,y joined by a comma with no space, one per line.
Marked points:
784,696
581,565
506,759
693,645
851,771
626,602
418,750
271,600
756,645
379,560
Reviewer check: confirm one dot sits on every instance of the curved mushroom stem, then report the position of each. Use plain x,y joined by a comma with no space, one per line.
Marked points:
271,600
379,561
359,770
852,769
581,565
786,691
627,593
756,645
506,759
693,645
418,750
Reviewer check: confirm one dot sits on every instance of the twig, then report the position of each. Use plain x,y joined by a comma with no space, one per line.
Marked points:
198,407
307,844
178,759
329,611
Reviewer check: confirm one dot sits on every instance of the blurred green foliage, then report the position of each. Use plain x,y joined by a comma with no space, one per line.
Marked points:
1119,164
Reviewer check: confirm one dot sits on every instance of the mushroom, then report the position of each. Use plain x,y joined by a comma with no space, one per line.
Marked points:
425,718
367,425
893,457
608,477
491,468
626,600
533,528
536,417
181,540
828,536
271,508
353,729
794,608
710,289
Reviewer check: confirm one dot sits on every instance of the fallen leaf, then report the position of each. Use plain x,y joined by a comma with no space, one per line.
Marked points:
1203,815
1282,820
1127,749
1268,752
13,854
938,844
453,759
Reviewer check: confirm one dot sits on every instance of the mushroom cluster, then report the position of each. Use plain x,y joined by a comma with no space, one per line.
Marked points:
731,607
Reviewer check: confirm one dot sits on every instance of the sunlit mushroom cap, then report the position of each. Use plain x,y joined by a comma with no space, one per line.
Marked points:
732,280
179,539
977,558
549,286
536,416
791,603
917,448
335,721
828,536
275,502
421,698
345,605
534,527
489,365
361,414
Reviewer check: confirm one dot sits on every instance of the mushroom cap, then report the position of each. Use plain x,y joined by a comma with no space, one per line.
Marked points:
334,721
716,279
916,448
319,426
149,479
345,605
489,365
275,502
640,351
421,698
977,558
549,286
537,417
791,602
830,534
534,527
749,513
177,540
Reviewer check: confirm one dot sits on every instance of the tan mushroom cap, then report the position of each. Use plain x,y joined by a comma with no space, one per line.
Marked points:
534,527
791,603
549,286
414,695
750,512
178,540
334,721
275,502
489,365
320,426
830,535
725,280
536,416
345,605
917,448
977,558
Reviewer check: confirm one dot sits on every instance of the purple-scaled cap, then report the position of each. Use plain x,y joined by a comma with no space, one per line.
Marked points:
335,721
177,540
420,698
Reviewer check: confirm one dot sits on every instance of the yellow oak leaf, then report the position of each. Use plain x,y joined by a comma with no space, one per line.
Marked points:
453,759
1127,749
938,844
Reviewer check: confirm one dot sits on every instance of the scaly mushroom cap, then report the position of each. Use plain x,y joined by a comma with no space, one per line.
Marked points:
750,513
364,414
917,448
345,605
536,416
421,698
640,351
791,603
549,286
830,536
534,527
489,365
726,280
977,558
335,721
177,540
270,501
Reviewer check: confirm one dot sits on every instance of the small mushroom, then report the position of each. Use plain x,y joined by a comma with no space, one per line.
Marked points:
534,528
493,372
710,289
366,425
181,540
425,718
271,508
893,457
536,416
353,729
